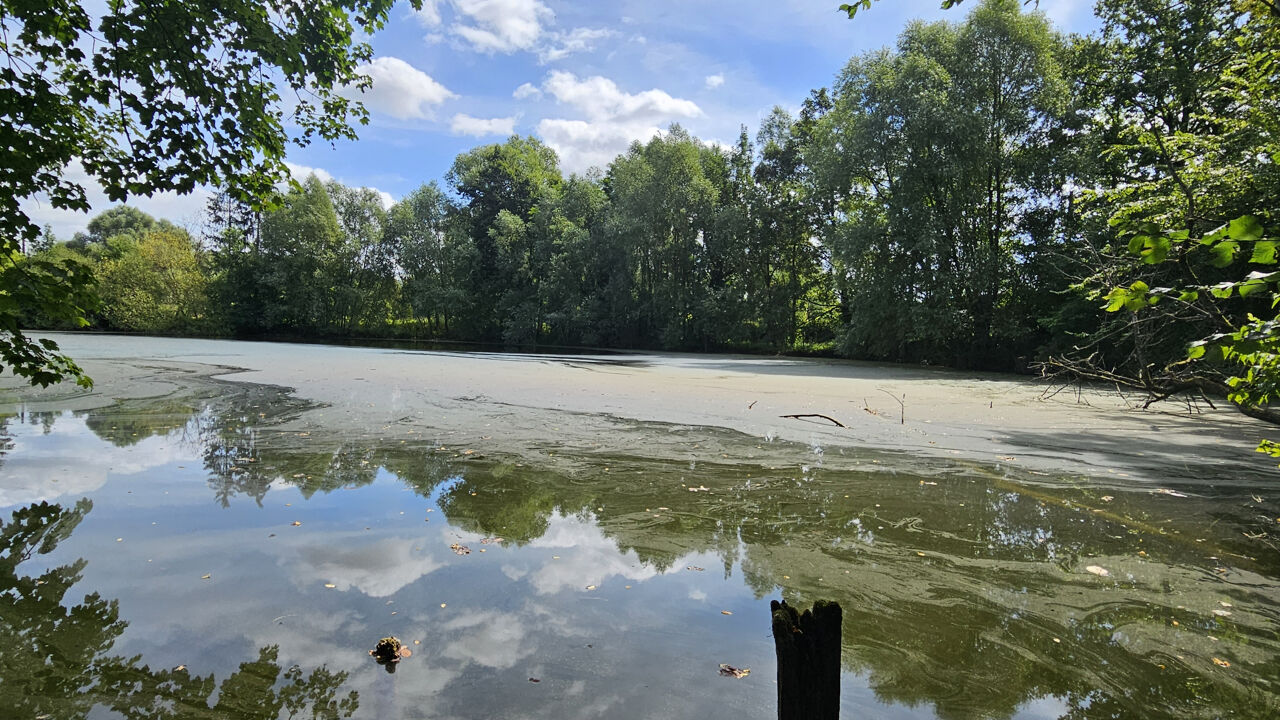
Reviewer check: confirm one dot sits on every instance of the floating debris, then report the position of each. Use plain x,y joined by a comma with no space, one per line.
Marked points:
389,651
733,672
460,549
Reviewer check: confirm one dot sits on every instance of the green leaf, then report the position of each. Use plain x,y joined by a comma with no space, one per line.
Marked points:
1196,351
1245,229
1224,253
1189,296
1219,233
1154,249
1264,252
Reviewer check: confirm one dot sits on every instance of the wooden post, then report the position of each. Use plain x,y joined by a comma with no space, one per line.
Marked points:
808,647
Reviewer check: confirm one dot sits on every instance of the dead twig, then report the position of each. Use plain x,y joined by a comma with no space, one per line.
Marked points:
902,405
801,416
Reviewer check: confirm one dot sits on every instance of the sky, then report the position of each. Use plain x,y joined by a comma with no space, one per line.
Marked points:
587,78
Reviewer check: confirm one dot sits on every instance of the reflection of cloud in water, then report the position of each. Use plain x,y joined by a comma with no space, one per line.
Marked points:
491,639
377,569
592,559
72,460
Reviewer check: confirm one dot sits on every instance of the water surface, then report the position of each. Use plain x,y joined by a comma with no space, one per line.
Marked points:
168,556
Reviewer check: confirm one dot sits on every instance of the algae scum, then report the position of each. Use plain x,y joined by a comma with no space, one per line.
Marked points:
199,555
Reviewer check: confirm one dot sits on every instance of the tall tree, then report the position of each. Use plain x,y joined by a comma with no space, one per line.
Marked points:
164,95
931,155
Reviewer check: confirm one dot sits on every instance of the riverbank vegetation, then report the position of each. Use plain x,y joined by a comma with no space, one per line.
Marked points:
985,193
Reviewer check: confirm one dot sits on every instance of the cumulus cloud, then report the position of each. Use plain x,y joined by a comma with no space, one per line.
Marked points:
599,98
183,210
464,124
400,90
429,15
302,172
501,25
526,91
715,81
575,41
582,145
613,118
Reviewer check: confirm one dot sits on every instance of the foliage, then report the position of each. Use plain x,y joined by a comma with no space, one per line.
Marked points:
932,158
156,96
153,284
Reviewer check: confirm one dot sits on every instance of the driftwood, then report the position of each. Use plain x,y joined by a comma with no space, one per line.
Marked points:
832,420
808,647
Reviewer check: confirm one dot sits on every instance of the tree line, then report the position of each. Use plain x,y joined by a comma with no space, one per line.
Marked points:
986,193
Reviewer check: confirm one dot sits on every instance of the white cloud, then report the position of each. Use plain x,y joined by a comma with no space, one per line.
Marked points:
464,124
600,99
400,90
715,81
613,118
182,210
429,15
526,91
302,172
502,25
582,145
575,41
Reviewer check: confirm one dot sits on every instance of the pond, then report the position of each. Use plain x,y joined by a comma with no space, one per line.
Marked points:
221,550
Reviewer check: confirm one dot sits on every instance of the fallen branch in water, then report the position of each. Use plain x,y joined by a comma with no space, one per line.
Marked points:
832,420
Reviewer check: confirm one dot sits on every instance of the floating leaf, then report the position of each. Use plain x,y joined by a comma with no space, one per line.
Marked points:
405,652
1221,663
733,672
330,585
296,523
591,587
534,680
180,668
725,612
460,549
206,576
695,568
1098,570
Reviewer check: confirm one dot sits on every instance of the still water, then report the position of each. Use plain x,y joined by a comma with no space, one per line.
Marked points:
191,557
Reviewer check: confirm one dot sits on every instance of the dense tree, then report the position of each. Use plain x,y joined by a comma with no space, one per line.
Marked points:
153,284
156,96
931,156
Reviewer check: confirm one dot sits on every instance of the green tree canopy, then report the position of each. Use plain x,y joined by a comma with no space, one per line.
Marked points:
164,95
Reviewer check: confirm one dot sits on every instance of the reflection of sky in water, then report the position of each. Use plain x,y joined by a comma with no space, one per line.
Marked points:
951,588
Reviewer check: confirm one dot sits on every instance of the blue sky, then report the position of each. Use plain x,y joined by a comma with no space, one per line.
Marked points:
585,77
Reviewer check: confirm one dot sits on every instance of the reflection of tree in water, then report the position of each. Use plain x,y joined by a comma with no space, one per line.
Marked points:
970,627
55,662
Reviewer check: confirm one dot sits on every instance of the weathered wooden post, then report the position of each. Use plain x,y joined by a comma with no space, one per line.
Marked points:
808,647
